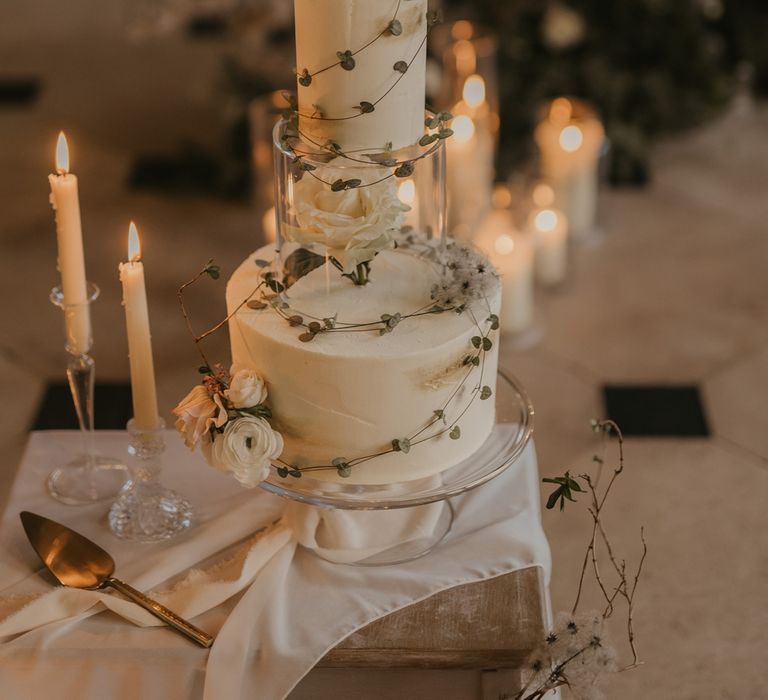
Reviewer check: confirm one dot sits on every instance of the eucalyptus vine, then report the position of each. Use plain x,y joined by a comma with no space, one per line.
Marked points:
293,139
346,57
438,424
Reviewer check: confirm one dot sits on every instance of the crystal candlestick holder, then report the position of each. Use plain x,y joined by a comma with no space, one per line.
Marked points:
145,511
89,477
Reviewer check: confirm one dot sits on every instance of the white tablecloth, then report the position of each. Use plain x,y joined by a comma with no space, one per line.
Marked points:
299,606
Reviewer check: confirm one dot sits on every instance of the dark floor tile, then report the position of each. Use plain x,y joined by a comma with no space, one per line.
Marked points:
112,405
190,170
207,26
18,92
665,410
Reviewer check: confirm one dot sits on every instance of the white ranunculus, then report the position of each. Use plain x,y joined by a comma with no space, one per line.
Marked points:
353,224
246,448
562,27
246,388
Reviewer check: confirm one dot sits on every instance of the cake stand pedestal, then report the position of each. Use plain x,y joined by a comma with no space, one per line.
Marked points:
513,430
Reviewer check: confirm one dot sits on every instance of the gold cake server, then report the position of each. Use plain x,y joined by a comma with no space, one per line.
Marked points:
77,562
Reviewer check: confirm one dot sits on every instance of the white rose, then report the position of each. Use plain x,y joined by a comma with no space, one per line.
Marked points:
246,388
353,224
563,27
246,448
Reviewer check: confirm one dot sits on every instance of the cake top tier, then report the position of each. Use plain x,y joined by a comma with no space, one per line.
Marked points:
401,284
360,66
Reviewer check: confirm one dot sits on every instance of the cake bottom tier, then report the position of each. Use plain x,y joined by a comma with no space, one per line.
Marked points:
348,395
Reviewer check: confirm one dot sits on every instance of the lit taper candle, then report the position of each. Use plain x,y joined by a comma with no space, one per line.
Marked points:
71,261
139,339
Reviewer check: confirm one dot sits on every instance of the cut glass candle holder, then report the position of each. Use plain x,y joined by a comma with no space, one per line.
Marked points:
145,510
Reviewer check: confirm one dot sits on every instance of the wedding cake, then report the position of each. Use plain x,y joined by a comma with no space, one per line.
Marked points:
363,342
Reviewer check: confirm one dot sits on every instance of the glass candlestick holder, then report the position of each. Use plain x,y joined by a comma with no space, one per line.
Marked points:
89,477
145,511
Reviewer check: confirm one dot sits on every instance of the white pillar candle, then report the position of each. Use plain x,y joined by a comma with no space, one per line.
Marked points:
569,138
459,61
512,254
71,261
461,57
269,226
470,160
549,229
406,193
462,174
473,96
139,340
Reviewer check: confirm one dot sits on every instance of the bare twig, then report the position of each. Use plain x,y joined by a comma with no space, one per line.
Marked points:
198,339
613,584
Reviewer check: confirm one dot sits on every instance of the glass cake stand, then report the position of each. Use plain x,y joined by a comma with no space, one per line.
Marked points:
513,430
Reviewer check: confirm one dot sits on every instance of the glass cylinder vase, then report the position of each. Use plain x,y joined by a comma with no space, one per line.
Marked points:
341,205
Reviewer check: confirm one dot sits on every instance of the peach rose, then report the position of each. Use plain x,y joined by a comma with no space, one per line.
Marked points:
196,413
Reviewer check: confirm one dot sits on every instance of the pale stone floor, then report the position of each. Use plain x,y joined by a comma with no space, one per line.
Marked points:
677,291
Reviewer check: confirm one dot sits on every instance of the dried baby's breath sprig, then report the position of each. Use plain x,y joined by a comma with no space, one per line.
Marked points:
470,278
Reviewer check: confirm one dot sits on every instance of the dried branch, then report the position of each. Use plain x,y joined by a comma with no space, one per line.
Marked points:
623,586
212,271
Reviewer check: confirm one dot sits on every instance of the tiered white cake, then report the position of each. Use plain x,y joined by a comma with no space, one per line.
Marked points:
395,400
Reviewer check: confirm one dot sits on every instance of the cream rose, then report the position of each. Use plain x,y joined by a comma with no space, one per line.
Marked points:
196,413
246,448
246,388
354,224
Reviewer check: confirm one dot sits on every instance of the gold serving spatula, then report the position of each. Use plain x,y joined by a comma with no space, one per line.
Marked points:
77,562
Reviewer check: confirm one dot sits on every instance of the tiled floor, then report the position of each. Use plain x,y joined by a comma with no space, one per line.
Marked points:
676,293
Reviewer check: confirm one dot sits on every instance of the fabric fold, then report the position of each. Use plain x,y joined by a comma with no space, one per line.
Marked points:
351,536
294,605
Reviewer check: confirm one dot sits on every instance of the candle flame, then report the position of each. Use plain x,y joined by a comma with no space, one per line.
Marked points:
504,244
463,128
545,220
62,155
134,244
571,139
462,29
406,192
474,91
543,195
560,111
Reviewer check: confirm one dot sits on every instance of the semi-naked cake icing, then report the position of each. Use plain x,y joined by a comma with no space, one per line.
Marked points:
325,27
346,395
